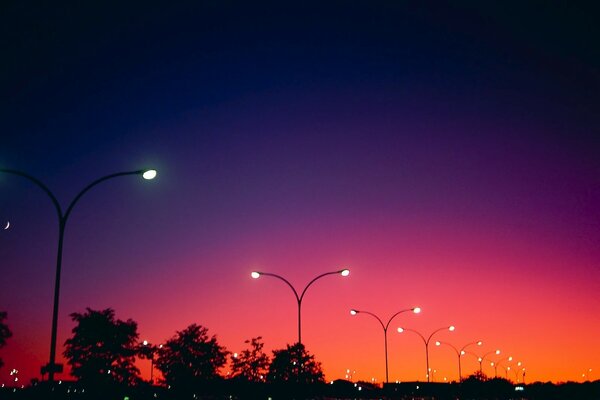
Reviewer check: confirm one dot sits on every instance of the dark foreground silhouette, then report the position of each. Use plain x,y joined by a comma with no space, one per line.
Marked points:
340,389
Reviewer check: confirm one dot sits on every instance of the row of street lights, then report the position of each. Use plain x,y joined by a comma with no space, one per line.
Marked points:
148,174
385,326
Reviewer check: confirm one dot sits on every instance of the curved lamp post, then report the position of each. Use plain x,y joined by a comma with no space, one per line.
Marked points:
51,368
385,327
459,353
482,358
258,274
497,363
426,341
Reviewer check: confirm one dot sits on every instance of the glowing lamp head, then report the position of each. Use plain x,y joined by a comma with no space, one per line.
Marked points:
345,272
416,310
498,351
509,358
438,343
479,343
400,330
451,328
480,359
353,312
519,364
145,343
149,174
255,274
462,352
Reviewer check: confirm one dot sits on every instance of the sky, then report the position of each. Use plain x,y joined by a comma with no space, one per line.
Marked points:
447,154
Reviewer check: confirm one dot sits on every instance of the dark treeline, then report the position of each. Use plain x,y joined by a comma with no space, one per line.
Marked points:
103,349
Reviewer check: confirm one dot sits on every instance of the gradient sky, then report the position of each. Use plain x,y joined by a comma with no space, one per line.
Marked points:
448,155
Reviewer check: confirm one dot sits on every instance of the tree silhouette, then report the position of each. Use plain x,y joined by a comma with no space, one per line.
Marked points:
251,364
102,350
191,358
5,333
295,365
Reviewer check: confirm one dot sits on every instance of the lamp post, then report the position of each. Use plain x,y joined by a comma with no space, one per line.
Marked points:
51,368
459,353
426,342
385,327
495,364
482,358
258,274
148,350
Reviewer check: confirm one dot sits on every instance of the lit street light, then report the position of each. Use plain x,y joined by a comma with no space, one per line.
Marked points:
495,364
459,353
51,368
385,327
426,342
482,358
258,274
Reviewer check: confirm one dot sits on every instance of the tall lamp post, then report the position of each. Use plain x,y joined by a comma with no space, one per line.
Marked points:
258,274
482,358
497,363
459,353
385,327
51,368
426,341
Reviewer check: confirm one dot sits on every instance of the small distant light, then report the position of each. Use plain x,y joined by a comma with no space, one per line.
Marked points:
497,351
353,312
345,272
519,388
417,310
437,343
149,174
359,388
451,328
235,355
255,275
145,343
462,353
479,343
400,330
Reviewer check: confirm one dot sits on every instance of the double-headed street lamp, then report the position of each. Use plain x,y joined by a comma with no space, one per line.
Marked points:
426,342
385,327
459,353
51,368
483,357
497,363
258,274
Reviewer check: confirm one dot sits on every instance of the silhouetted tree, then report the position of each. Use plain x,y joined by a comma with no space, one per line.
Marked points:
5,333
191,358
294,364
251,364
102,350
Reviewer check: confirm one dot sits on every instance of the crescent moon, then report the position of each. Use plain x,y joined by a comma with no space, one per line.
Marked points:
7,225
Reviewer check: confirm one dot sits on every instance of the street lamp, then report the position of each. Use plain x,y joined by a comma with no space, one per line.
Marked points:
148,350
385,327
51,368
459,353
258,274
426,341
482,358
495,364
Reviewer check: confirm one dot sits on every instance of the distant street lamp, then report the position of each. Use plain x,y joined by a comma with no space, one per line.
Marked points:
495,364
482,358
385,327
51,368
258,274
459,353
148,351
426,342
